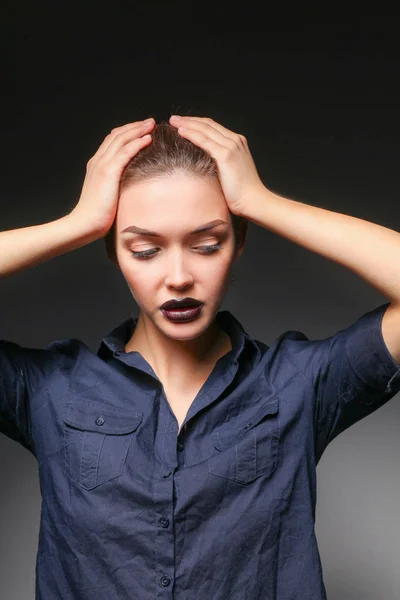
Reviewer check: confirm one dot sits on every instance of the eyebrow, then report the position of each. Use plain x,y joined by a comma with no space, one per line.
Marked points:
205,227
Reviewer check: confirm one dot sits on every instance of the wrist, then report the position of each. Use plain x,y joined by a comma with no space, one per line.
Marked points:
260,198
82,230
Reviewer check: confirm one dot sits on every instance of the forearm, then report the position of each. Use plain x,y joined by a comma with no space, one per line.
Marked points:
30,246
368,249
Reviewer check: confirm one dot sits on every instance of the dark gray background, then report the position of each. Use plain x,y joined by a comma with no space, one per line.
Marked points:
317,98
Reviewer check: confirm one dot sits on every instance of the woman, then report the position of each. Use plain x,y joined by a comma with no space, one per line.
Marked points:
179,461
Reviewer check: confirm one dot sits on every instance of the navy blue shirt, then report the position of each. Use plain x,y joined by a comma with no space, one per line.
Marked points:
225,510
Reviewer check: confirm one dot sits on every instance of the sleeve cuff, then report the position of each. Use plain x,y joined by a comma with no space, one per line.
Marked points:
368,354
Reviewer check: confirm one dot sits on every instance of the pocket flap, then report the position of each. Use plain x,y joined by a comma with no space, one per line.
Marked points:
229,433
103,419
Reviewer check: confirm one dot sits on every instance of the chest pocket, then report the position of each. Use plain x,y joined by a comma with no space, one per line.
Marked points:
247,447
97,440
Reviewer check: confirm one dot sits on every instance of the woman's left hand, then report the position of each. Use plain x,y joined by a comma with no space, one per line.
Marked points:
237,171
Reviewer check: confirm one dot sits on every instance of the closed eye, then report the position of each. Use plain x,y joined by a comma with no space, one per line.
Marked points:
146,254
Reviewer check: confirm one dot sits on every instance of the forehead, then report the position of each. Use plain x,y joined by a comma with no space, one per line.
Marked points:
172,194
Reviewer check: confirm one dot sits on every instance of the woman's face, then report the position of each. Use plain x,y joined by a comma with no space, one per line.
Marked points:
178,263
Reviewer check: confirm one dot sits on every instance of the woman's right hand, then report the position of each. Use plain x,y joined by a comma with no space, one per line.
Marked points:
98,202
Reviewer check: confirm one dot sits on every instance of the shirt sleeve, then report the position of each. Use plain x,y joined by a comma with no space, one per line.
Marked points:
21,373
352,373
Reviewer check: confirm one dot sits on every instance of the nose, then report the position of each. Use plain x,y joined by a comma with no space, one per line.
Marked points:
178,273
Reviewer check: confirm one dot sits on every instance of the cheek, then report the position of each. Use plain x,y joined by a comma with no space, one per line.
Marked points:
139,280
136,276
217,272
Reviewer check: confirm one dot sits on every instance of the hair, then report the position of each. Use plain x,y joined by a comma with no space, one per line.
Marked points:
170,153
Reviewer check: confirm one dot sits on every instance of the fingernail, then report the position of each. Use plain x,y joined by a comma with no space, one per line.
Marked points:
175,117
148,120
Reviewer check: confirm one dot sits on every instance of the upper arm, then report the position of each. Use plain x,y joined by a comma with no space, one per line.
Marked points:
391,331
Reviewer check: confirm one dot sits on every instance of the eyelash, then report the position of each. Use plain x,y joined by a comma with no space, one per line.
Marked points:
147,254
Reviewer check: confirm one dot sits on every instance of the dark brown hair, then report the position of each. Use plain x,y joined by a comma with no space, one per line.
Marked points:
170,153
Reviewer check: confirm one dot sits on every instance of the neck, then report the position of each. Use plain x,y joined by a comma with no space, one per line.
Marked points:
177,360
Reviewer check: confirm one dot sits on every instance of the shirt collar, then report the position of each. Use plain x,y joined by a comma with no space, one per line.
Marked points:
113,344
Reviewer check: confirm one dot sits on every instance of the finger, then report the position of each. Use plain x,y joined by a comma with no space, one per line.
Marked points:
208,143
203,122
203,132
207,130
118,161
135,126
139,128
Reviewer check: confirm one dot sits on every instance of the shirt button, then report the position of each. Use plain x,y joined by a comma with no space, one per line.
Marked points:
164,522
167,474
165,581
100,421
180,446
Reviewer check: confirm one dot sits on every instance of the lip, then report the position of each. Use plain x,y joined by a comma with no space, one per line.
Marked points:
183,303
182,315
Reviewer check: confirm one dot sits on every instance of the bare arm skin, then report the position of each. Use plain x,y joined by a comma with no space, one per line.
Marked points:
93,215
